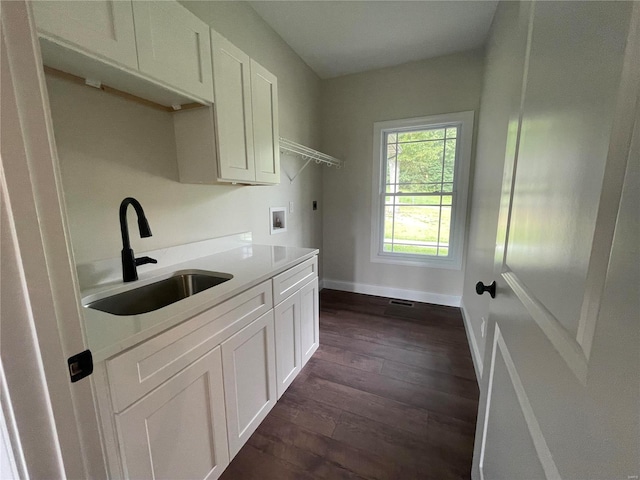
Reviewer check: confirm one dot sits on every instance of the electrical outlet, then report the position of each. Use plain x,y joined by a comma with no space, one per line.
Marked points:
290,207
483,327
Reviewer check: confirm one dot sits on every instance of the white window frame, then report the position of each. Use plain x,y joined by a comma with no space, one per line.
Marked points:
464,121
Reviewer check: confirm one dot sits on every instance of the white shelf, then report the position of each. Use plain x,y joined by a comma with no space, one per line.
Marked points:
308,154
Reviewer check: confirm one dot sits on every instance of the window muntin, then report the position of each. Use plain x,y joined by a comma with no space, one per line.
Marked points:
420,181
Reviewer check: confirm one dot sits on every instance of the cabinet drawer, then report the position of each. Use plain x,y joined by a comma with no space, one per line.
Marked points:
289,282
141,369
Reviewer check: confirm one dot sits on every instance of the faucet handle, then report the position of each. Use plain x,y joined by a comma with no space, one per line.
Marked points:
144,260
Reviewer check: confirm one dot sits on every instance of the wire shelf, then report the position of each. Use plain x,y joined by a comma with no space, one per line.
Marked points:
308,154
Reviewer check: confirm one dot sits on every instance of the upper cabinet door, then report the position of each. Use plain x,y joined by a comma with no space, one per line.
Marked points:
101,27
232,87
264,91
174,46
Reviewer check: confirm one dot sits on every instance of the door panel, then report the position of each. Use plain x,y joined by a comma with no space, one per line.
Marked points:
309,320
103,27
287,328
549,407
264,99
567,118
249,365
179,429
174,46
232,89
506,428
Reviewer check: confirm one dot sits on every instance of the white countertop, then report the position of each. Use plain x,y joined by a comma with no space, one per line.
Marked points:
108,334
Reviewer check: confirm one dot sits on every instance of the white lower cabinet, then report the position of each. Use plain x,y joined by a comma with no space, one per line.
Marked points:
309,320
249,371
183,403
288,358
297,327
179,430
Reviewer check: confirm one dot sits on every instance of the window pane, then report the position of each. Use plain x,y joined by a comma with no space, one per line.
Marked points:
416,200
421,162
443,252
421,135
391,137
447,199
415,249
388,223
452,132
449,160
445,226
416,225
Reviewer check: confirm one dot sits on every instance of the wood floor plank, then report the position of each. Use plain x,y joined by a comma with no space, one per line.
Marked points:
348,358
452,366
411,394
306,411
432,379
396,333
374,407
390,394
360,462
412,452
313,464
252,464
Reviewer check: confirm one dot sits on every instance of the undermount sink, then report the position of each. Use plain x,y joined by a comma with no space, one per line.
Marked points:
156,295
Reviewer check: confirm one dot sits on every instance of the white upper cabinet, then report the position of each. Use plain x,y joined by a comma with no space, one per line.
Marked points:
102,27
232,87
264,102
237,141
157,50
174,46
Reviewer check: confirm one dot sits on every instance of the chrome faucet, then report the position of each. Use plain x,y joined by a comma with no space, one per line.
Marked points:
129,261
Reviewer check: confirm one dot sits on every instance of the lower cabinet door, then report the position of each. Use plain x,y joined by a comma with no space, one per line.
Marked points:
309,320
249,371
288,358
179,429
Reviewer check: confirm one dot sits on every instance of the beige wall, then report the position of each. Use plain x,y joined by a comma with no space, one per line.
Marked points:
111,148
502,82
350,106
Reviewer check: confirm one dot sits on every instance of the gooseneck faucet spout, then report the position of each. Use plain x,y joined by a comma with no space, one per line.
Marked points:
129,261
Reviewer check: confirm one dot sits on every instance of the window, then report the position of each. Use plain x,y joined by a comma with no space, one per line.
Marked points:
421,176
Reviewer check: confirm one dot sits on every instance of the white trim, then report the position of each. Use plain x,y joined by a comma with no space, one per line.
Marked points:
473,343
390,292
542,449
12,454
464,120
566,345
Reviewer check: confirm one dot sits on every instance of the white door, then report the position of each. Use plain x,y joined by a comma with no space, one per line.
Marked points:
232,90
309,320
100,27
174,46
264,102
41,322
287,329
179,429
249,370
560,396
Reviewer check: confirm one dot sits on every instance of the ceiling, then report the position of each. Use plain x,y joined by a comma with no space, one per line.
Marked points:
340,37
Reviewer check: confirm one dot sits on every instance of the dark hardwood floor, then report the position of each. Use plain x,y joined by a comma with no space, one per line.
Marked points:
390,394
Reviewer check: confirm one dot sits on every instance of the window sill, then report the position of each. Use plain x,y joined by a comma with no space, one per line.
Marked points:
442,263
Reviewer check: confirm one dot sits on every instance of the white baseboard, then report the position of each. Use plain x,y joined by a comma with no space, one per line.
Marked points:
380,291
473,344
